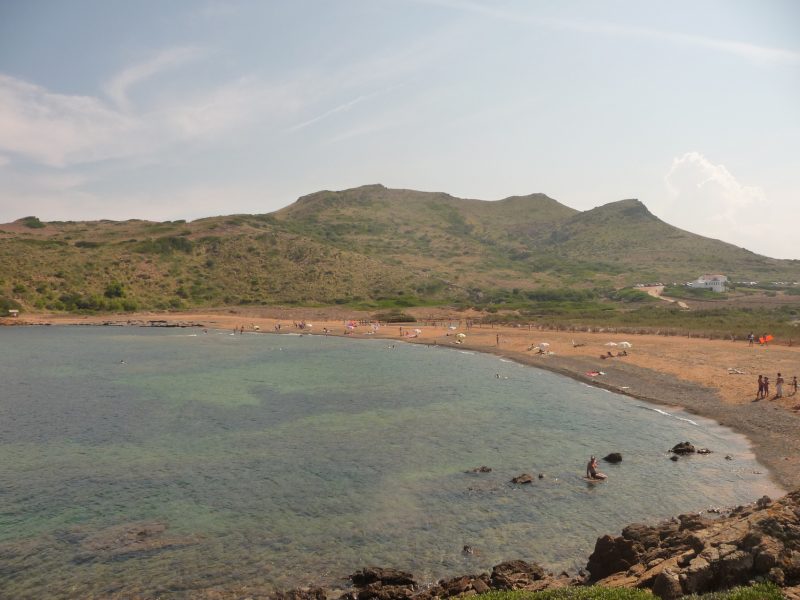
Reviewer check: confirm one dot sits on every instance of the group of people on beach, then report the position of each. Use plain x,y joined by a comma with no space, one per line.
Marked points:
763,387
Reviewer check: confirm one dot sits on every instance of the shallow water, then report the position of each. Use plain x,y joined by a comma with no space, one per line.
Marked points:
288,460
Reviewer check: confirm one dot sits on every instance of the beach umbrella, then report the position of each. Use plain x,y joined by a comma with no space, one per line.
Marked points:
418,331
543,345
461,336
611,343
351,327
453,327
309,325
625,344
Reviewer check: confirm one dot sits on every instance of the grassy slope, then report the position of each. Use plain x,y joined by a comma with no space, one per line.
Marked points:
756,592
366,244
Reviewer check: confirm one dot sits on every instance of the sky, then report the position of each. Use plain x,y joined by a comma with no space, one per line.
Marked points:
112,109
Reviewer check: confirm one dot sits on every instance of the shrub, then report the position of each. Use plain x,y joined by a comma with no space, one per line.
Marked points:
114,290
393,316
32,222
631,295
7,304
164,245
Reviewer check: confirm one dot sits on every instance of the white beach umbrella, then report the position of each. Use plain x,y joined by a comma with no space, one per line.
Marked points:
461,336
611,343
625,344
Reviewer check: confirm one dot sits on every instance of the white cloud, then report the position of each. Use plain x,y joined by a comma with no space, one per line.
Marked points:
752,52
55,129
706,198
117,89
60,130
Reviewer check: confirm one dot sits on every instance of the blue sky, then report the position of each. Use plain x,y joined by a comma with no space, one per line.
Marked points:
185,109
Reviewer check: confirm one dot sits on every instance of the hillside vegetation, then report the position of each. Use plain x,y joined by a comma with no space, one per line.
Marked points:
371,247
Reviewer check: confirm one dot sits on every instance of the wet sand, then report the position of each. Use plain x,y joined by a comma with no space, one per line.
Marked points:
691,373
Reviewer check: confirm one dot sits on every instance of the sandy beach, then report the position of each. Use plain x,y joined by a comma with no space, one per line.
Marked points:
712,378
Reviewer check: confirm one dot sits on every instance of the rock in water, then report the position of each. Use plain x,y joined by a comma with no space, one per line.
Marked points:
613,458
683,448
524,478
370,575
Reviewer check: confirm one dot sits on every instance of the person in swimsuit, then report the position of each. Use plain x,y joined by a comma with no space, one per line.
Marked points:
591,468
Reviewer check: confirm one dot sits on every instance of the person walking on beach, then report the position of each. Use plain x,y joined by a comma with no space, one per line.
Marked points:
766,387
794,385
760,392
779,386
750,339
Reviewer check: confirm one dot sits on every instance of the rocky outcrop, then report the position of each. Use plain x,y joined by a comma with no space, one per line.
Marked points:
685,555
613,458
693,554
375,583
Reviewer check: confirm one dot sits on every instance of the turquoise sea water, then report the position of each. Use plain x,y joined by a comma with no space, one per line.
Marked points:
287,460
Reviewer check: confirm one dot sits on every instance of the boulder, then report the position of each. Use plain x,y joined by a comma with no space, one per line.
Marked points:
763,502
515,574
612,555
370,575
667,586
376,591
613,458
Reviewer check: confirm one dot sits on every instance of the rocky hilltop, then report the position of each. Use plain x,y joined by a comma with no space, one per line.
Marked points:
689,554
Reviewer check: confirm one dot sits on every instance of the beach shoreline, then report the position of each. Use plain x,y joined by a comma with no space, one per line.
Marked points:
714,379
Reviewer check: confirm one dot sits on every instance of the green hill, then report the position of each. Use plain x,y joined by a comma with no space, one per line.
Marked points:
371,245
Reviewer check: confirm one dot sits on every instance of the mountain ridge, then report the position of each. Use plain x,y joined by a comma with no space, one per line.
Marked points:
369,243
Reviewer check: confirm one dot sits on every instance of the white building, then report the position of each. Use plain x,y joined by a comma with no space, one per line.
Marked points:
716,283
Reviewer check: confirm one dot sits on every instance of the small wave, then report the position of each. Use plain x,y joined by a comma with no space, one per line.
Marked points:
668,414
465,352
506,360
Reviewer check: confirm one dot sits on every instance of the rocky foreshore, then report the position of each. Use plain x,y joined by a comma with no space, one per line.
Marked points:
687,554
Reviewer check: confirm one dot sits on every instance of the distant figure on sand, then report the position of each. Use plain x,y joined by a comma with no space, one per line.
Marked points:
760,392
779,386
794,385
766,387
750,338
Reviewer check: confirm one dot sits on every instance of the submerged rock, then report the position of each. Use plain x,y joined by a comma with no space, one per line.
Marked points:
481,469
613,458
